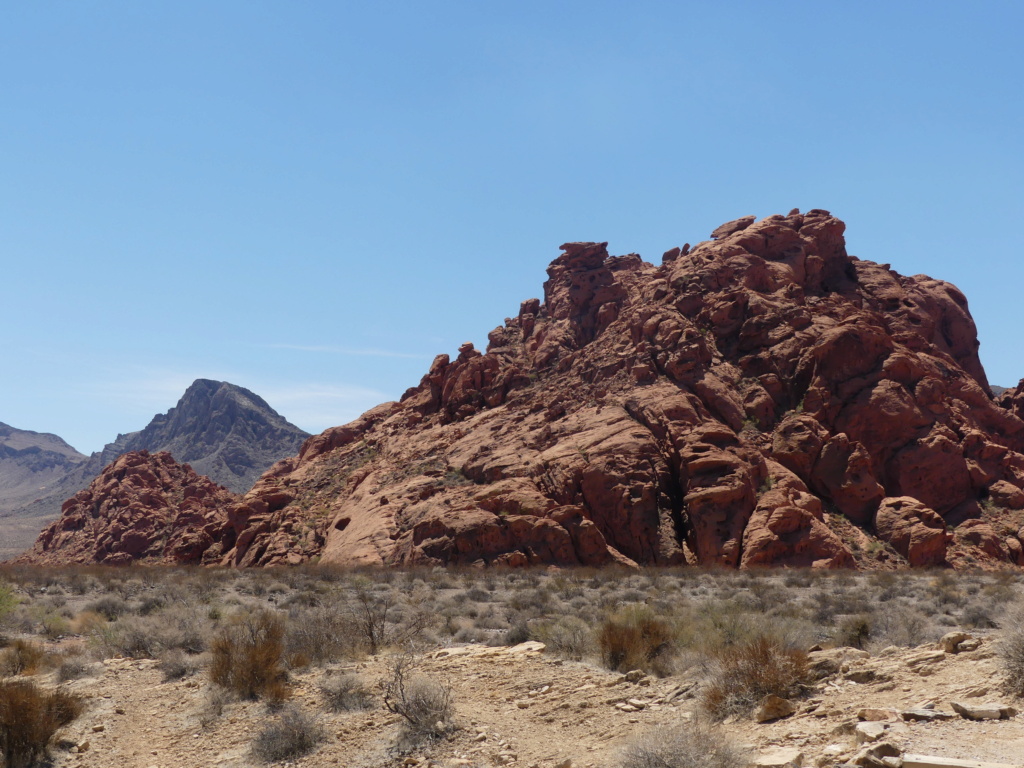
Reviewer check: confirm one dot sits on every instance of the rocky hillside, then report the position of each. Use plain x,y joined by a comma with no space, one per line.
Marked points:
32,465
760,398
223,431
30,462
142,507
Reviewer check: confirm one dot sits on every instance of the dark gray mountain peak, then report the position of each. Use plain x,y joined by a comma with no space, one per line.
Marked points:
222,430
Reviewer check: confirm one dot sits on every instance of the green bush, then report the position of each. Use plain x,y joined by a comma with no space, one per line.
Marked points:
8,600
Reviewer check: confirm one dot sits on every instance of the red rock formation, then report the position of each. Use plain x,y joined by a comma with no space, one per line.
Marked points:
913,530
142,508
639,413
748,402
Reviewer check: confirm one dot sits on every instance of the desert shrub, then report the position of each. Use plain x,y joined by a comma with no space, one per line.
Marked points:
320,635
8,600
686,745
55,625
110,607
1011,651
424,703
176,664
247,656
87,622
72,668
22,657
368,614
839,602
147,636
131,638
518,630
570,638
151,604
979,615
740,676
853,631
633,639
29,717
183,628
345,692
898,624
294,734
214,702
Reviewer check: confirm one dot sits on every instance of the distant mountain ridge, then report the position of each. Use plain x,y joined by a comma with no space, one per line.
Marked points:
223,431
30,462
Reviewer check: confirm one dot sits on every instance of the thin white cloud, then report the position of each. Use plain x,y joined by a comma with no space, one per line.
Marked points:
315,407
334,350
148,390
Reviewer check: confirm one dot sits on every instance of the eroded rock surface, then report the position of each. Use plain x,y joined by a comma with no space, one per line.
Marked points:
760,398
143,508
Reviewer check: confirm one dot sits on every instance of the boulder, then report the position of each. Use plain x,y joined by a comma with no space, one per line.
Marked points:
990,711
784,757
933,761
914,530
1006,495
951,641
773,707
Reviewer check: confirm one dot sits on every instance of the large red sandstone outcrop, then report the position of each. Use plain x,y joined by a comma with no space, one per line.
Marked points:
761,398
733,405
142,508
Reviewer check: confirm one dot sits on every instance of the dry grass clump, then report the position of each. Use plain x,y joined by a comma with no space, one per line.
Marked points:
29,717
319,635
344,693
635,639
570,638
247,656
425,704
688,745
1011,651
742,675
293,735
72,668
22,657
176,664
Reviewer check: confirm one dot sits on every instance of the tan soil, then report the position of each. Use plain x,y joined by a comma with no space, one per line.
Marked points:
522,707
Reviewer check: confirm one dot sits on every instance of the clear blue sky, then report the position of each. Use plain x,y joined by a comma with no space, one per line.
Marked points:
312,199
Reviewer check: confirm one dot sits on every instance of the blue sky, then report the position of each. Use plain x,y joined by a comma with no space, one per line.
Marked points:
312,199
